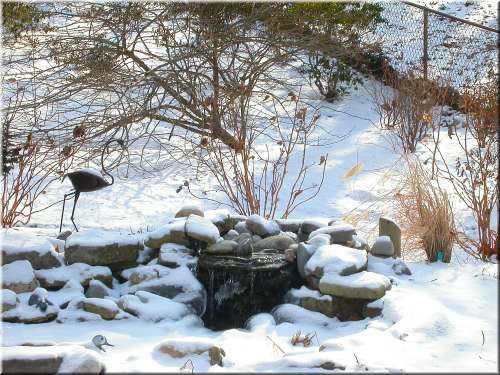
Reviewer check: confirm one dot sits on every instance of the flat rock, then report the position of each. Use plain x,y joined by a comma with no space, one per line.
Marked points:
262,227
175,255
39,251
187,210
56,278
223,247
336,258
152,307
101,248
105,308
340,233
51,359
278,242
19,277
363,285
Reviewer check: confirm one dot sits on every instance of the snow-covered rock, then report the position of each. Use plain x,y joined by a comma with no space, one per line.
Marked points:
173,255
223,247
289,225
262,227
178,348
56,278
70,291
9,300
241,227
97,289
312,300
51,359
202,229
152,307
105,308
340,233
26,313
19,277
296,315
363,285
231,235
103,248
336,258
39,251
187,210
383,246
388,227
278,242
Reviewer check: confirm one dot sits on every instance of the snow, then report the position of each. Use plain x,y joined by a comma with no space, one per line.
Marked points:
305,292
15,241
76,272
197,226
337,227
16,272
99,238
335,259
103,303
8,297
151,307
363,279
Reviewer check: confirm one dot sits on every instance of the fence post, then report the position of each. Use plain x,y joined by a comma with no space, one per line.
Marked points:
425,57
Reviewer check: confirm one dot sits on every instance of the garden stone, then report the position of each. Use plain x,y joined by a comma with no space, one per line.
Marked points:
231,235
185,211
383,246
241,227
387,227
307,227
9,300
262,227
105,308
289,225
19,277
174,255
100,248
56,278
39,251
151,307
339,233
373,309
363,285
223,247
400,268
306,250
97,289
278,242
202,229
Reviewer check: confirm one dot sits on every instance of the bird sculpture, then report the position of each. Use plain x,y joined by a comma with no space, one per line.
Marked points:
87,180
96,344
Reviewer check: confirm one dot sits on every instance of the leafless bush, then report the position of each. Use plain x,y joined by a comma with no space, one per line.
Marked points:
474,175
425,213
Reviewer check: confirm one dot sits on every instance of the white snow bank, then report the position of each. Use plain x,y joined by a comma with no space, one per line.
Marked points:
14,241
99,238
16,272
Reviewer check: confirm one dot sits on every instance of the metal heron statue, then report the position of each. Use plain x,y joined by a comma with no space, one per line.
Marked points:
87,180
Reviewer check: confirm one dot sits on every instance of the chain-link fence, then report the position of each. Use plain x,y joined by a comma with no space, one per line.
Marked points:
450,51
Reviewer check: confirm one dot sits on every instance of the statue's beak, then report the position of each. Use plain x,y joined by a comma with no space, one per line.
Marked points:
107,343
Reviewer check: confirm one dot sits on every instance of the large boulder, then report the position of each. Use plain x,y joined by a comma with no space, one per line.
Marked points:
388,227
364,285
262,227
101,248
39,251
278,242
51,359
19,277
56,278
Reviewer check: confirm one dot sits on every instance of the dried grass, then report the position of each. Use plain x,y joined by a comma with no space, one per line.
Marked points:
425,213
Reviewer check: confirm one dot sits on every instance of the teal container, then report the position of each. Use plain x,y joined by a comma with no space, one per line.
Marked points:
440,256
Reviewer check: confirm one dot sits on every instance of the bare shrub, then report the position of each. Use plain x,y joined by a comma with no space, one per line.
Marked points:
425,213
474,174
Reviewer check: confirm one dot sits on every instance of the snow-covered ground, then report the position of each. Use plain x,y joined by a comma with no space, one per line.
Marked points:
441,318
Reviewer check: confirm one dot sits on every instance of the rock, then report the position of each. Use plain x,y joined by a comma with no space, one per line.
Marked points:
147,254
360,243
56,278
64,235
279,242
137,275
105,308
164,235
231,235
72,290
32,308
39,251
202,229
306,250
223,247
289,225
373,309
223,220
387,227
97,289
51,359
383,246
363,285
9,300
179,285
329,365
400,268
246,242
19,277
340,233
216,354
185,211
337,259
291,255
308,226
262,227
241,227
152,307
289,313
101,248
174,255
312,300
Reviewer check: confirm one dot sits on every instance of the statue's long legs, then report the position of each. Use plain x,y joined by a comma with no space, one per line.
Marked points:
77,195
64,203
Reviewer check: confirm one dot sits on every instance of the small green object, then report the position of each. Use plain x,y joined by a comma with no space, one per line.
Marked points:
440,256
